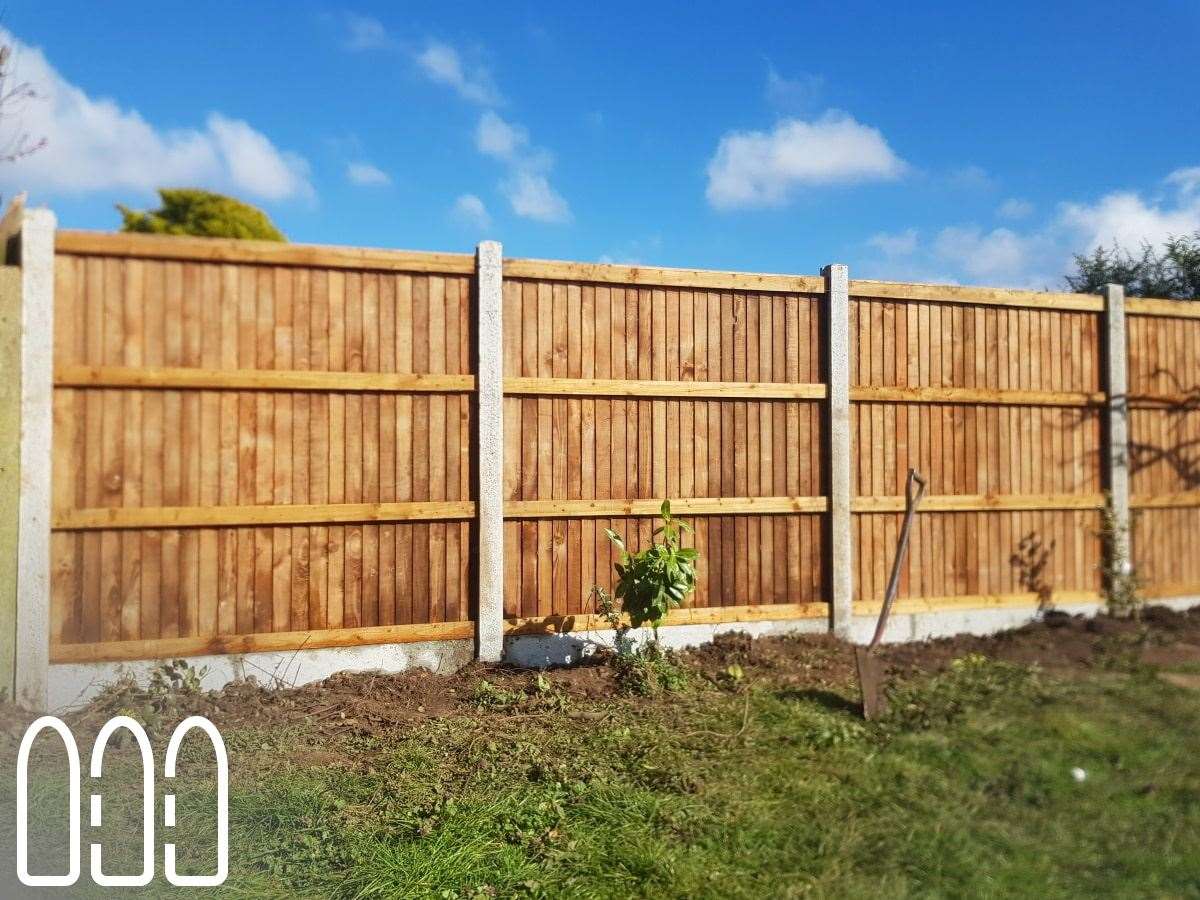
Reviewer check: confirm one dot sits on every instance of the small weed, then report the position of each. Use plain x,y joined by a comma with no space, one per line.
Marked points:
171,683
649,670
539,694
1122,583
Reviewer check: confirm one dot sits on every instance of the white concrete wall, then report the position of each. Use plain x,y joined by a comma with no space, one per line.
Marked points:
71,684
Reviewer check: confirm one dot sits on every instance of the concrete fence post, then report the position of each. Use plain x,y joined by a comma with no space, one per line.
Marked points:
1116,418
28,241
489,451
836,436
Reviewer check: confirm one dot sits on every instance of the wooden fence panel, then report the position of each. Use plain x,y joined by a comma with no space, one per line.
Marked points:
997,446
1164,388
261,446
145,448
563,447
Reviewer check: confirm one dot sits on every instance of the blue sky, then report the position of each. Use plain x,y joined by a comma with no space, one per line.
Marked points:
970,142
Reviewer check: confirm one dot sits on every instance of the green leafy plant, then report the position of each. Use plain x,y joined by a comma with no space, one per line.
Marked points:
656,579
1122,584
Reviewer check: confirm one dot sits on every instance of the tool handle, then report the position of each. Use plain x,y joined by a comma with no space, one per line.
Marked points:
914,492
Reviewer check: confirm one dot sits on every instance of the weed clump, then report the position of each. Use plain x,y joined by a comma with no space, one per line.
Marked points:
973,682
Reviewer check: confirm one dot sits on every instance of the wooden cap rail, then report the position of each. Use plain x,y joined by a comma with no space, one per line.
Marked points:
652,276
272,253
977,296
225,250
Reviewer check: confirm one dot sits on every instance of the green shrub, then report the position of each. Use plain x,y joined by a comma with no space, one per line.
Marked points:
655,580
202,214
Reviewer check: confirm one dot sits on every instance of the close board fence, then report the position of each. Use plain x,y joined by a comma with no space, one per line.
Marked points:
264,446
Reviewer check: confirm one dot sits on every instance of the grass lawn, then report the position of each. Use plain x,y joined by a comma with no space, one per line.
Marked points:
768,785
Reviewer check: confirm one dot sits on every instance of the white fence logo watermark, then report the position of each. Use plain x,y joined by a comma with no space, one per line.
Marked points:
146,875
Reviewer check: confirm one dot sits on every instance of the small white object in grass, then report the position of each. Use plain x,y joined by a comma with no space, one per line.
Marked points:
1078,774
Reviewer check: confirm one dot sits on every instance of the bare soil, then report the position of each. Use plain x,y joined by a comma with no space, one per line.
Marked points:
370,703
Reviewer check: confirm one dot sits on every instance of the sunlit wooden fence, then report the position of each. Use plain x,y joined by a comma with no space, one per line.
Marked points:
263,446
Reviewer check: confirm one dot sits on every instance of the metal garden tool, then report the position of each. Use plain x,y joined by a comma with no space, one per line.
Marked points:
870,666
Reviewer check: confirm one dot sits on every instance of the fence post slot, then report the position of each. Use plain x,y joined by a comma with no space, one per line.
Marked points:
27,236
835,324
489,451
1116,420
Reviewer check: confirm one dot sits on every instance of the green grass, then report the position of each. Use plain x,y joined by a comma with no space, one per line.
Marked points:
769,792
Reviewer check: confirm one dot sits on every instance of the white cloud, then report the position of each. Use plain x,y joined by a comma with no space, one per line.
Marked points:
1187,180
971,178
1015,208
1128,219
902,243
527,185
364,174
441,64
997,255
495,137
635,252
470,210
1039,257
254,163
792,93
532,196
95,145
758,168
365,33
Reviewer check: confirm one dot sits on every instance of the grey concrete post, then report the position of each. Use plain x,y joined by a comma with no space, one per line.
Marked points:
35,234
836,325
489,451
1116,425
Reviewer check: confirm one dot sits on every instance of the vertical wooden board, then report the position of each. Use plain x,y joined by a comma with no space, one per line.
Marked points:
514,331
559,456
227,338
796,441
318,451
619,409
545,449
669,437
755,525
632,407
131,449
587,476
437,449
111,453
301,441
369,603
648,474
604,337
414,349
336,466
737,445
569,601
532,473
264,561
247,429
282,475
207,448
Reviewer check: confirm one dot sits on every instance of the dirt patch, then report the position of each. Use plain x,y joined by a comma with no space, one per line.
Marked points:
373,702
